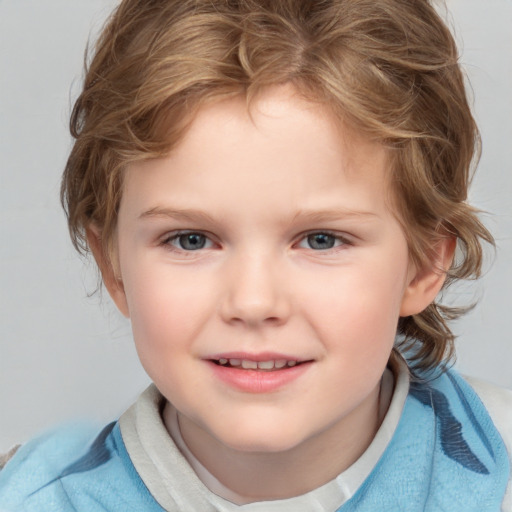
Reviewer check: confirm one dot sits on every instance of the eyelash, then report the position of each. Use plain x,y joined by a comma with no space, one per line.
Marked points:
167,241
175,236
336,236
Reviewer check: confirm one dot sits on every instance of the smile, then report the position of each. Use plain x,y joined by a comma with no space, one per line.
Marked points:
262,373
247,364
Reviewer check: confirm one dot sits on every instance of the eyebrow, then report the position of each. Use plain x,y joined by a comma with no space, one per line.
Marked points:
181,214
332,215
187,214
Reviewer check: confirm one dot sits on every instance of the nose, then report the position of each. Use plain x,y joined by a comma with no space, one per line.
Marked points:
255,292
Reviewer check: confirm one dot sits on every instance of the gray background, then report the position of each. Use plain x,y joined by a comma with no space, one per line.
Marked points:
65,355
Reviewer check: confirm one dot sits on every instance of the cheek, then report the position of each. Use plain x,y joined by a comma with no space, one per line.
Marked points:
357,310
164,329
167,310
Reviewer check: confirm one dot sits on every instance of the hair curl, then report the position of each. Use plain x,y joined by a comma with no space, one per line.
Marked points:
388,67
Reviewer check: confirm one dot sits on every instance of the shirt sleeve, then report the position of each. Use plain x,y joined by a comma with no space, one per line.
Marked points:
6,457
498,402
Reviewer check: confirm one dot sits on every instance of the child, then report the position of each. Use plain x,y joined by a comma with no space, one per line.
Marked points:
274,193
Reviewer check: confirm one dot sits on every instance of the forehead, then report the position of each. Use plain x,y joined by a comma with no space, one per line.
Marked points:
279,145
280,114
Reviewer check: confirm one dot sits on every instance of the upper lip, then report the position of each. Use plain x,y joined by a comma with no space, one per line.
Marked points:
258,357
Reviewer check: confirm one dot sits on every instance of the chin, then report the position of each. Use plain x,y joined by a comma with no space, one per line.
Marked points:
262,440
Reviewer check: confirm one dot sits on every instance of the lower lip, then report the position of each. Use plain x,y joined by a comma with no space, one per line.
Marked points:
254,381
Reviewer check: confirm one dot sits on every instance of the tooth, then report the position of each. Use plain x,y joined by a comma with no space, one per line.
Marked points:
249,365
292,363
235,362
280,363
223,361
266,365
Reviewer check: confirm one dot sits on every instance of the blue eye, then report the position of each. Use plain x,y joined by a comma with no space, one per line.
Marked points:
321,241
192,241
188,241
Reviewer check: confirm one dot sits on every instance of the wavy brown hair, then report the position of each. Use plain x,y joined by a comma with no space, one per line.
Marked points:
389,68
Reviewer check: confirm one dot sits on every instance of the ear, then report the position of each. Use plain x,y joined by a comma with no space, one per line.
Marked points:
425,283
108,269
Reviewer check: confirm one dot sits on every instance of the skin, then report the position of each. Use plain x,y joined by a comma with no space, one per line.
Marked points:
262,184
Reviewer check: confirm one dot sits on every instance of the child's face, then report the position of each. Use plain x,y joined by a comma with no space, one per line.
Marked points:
268,240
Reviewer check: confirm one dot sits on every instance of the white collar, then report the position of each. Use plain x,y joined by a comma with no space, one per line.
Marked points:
178,481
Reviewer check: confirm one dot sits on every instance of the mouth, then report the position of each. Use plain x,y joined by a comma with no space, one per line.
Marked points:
265,366
258,373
